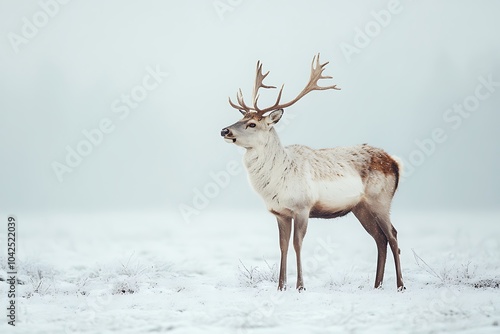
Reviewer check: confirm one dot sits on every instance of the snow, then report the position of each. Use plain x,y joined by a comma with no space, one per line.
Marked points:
135,273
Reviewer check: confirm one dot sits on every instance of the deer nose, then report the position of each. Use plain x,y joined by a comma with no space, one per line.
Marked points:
225,132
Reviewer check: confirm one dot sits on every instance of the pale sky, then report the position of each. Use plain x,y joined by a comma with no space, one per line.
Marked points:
420,79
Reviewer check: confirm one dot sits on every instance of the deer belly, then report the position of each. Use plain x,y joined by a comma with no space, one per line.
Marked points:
338,195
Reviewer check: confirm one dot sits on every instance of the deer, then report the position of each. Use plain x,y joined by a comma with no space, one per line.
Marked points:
297,182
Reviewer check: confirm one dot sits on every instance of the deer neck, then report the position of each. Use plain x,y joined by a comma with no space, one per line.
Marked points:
266,164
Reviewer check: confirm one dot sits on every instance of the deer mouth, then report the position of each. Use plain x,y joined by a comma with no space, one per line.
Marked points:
228,138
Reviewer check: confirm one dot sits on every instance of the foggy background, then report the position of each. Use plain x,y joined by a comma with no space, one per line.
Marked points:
396,91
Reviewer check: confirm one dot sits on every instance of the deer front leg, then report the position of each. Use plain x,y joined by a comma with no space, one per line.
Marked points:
299,231
285,229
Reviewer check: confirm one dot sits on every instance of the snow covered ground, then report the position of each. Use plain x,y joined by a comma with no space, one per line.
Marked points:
138,273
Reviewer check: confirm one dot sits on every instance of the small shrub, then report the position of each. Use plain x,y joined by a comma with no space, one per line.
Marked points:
252,276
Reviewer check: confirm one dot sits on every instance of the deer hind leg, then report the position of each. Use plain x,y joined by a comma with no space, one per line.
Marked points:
285,229
299,231
391,234
382,219
366,219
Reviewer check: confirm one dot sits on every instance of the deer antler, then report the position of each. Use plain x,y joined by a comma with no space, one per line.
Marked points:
242,106
259,77
316,74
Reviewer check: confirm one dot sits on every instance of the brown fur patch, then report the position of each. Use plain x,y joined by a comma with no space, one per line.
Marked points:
382,162
395,170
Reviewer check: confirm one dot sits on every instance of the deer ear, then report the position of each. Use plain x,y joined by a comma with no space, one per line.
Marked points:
274,117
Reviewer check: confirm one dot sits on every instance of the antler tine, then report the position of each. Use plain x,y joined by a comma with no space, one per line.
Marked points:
279,95
259,78
259,83
241,103
235,106
317,74
239,97
263,111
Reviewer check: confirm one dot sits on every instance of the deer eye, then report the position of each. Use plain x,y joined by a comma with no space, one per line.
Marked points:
252,125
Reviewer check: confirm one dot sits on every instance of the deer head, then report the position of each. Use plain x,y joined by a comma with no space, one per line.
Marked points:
254,128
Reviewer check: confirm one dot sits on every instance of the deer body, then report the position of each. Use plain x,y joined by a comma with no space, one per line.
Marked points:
298,183
293,178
